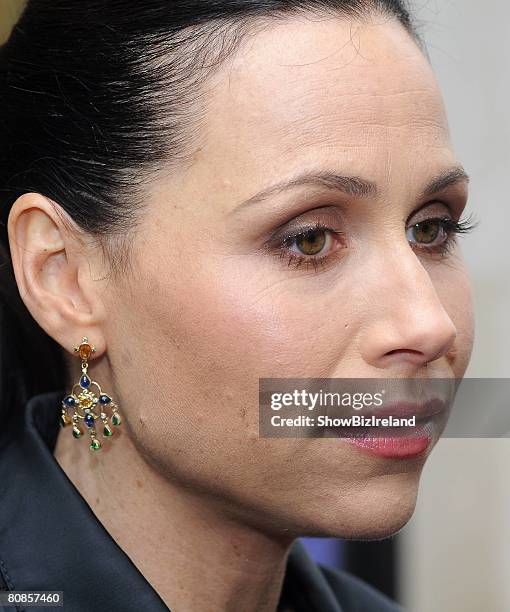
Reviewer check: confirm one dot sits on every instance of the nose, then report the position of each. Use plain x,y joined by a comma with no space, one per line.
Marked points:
409,326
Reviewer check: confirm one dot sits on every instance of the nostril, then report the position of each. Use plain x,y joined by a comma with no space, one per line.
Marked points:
405,356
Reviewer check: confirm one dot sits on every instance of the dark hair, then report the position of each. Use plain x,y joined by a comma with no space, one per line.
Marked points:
96,97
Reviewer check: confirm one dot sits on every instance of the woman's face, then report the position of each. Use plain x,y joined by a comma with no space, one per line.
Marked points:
220,295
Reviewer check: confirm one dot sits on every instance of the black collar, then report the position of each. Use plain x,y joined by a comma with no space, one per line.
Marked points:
51,540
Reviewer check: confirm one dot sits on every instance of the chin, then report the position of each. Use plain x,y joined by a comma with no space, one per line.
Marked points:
370,510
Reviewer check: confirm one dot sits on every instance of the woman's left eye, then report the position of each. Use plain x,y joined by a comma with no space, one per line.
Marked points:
429,232
437,234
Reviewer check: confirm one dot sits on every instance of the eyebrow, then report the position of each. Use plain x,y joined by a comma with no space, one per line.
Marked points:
354,186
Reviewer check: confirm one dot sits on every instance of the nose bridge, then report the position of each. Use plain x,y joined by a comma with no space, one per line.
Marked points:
408,315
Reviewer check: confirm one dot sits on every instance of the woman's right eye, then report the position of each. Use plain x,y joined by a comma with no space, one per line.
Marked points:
313,245
311,242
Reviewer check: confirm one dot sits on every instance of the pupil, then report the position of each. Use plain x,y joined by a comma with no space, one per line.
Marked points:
311,242
426,232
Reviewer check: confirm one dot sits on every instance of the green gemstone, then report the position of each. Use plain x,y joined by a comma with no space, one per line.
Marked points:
107,431
116,419
95,444
76,432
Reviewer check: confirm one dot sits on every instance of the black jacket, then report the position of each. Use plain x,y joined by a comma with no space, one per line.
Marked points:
51,540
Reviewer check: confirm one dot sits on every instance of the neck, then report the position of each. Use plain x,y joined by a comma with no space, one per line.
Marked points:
194,555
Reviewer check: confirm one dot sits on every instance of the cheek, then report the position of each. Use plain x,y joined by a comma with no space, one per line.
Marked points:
237,323
207,339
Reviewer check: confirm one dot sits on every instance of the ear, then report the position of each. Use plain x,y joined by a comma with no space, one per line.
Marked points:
55,271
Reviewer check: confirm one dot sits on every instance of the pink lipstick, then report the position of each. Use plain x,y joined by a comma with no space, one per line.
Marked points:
402,442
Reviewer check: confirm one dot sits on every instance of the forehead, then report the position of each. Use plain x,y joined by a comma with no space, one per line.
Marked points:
356,95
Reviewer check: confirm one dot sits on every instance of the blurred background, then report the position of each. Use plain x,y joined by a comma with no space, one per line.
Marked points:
454,555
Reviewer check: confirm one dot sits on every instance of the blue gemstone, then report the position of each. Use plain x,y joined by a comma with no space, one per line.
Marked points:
84,381
69,401
89,420
105,399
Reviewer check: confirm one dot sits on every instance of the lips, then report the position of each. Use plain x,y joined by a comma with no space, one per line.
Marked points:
402,442
393,448
403,409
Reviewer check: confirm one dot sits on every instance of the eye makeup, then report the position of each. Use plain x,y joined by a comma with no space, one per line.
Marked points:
317,238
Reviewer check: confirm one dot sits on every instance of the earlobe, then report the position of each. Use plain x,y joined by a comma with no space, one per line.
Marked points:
47,255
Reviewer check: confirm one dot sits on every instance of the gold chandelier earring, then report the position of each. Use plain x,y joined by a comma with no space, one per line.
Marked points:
89,403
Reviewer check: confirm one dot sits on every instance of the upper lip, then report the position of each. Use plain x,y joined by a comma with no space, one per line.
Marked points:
422,410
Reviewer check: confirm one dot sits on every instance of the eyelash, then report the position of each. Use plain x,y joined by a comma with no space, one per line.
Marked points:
451,228
280,246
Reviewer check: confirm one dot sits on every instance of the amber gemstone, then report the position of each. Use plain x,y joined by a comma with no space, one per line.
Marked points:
86,401
84,351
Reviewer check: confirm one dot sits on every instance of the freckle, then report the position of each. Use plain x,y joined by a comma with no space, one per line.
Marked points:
97,500
242,413
139,484
346,325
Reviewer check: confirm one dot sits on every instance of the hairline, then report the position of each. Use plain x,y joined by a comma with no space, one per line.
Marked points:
234,33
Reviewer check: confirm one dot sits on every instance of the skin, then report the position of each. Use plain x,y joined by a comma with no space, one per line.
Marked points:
203,506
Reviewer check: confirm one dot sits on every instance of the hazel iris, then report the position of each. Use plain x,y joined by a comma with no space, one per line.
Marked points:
426,231
311,242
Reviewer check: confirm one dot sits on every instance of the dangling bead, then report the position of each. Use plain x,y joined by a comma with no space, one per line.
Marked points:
95,444
89,420
77,431
116,420
64,419
107,431
84,381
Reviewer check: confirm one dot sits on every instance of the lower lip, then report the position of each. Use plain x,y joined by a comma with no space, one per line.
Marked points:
395,448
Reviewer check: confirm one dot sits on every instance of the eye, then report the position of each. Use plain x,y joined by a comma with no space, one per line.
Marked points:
438,235
310,242
429,231
313,245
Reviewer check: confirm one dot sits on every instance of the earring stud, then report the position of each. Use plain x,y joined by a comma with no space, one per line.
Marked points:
89,403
